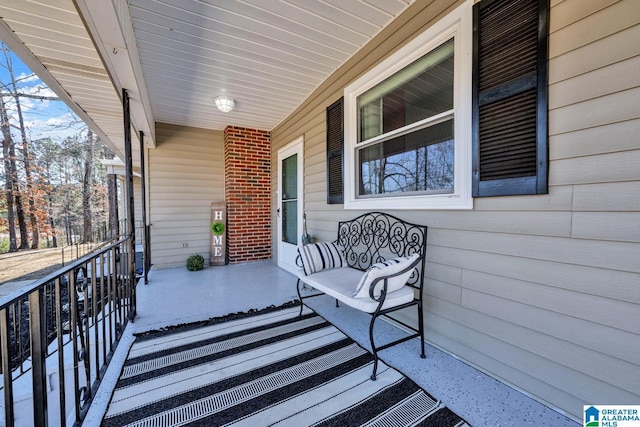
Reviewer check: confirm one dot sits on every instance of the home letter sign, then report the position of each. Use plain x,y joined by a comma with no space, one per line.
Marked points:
218,233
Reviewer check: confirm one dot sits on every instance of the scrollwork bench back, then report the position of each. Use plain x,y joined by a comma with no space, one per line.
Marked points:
376,236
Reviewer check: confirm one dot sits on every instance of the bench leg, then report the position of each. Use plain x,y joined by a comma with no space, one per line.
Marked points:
299,297
374,350
421,329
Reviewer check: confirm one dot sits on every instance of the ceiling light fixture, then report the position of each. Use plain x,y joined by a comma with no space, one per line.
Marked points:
224,103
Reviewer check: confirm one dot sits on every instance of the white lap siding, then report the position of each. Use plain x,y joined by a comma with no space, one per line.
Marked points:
186,174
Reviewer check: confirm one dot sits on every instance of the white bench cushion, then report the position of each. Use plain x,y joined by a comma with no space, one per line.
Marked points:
340,283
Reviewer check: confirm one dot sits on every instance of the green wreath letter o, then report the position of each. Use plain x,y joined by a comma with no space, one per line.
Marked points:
217,228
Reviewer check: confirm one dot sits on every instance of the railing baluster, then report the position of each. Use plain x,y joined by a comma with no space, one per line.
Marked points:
114,295
131,279
73,319
6,367
17,320
94,313
38,357
86,344
60,339
110,302
118,291
125,283
86,316
103,277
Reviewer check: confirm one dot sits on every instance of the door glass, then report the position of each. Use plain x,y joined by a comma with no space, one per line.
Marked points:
290,200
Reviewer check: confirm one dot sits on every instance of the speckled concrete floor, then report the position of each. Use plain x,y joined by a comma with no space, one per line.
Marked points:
175,296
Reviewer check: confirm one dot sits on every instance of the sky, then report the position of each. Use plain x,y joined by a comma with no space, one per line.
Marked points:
43,118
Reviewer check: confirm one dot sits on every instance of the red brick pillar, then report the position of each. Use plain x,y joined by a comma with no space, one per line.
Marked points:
247,176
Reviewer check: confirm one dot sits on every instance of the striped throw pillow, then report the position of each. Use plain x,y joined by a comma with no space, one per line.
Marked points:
320,256
385,268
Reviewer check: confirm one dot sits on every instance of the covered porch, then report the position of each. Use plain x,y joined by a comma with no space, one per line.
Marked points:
516,265
218,291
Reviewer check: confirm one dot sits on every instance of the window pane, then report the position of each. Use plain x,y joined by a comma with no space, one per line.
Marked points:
290,221
419,91
421,161
290,177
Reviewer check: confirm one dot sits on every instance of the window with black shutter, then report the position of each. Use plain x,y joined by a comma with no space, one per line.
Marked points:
509,117
407,123
335,146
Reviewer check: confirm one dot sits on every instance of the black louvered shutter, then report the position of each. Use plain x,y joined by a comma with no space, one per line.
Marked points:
335,146
510,153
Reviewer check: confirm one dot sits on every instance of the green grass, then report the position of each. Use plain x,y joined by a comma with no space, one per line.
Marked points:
4,245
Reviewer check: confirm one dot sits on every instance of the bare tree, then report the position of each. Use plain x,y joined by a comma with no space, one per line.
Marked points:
79,194
11,176
87,181
26,158
47,154
112,193
8,176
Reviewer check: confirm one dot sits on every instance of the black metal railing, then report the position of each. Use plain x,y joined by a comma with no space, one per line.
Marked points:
59,334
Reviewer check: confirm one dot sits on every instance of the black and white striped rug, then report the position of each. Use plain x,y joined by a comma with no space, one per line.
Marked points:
270,367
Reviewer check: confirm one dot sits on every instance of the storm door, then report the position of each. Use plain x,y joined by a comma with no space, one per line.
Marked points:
290,204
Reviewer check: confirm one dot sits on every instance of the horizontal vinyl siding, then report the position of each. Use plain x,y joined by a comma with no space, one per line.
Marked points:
542,292
137,201
186,174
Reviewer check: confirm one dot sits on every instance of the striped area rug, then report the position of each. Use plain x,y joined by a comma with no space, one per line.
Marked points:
268,368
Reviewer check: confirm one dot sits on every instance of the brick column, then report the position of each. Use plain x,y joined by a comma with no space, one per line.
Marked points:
247,176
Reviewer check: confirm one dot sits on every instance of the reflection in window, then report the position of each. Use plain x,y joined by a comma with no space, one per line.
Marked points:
417,92
405,129
422,161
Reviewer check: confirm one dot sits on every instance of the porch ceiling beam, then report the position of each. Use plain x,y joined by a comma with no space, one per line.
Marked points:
110,27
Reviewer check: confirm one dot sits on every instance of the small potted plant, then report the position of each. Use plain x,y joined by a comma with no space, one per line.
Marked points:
195,262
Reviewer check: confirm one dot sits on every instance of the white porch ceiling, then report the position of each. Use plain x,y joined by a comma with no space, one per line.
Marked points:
175,56
267,55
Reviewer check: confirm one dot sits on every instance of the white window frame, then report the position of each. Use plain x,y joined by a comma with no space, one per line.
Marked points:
456,24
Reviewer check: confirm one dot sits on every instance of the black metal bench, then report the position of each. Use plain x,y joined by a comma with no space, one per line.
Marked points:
364,241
